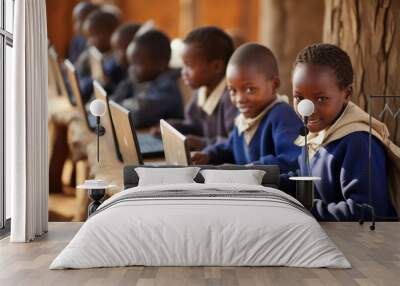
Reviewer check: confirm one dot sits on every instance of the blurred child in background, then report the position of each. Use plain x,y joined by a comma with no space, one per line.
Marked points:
78,43
151,91
209,116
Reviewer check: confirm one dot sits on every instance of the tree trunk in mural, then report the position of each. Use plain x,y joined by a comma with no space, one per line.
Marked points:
288,26
369,31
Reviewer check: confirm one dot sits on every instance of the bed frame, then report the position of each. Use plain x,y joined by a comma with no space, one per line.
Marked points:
270,179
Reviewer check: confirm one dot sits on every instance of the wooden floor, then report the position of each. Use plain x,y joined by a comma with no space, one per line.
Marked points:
375,257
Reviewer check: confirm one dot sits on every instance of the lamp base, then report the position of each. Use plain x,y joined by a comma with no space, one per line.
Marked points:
102,130
95,195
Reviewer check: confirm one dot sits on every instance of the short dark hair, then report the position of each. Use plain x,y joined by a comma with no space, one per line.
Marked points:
215,43
331,56
156,43
127,32
256,55
83,9
103,21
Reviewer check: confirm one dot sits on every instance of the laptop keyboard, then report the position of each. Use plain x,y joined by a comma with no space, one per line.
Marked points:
149,144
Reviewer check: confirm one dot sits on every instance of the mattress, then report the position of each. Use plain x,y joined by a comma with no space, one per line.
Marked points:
201,225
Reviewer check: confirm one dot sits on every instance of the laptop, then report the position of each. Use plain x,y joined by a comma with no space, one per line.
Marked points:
96,64
57,75
90,120
106,120
133,145
176,148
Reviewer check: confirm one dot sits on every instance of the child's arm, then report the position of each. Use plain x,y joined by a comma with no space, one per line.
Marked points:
354,181
114,74
199,158
191,124
159,102
221,153
286,153
86,87
82,65
285,125
124,90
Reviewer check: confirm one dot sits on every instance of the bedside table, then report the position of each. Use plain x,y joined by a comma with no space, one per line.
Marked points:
305,190
96,191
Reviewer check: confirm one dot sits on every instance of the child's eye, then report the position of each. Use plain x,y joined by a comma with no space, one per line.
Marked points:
322,99
231,91
250,90
298,98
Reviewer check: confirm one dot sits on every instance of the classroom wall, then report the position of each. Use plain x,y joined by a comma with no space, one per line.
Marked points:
59,23
175,17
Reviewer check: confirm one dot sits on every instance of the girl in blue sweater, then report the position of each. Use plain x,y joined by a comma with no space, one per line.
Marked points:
338,138
267,126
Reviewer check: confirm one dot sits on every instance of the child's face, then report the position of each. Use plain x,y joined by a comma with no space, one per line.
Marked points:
98,39
198,71
77,25
250,90
142,65
78,17
319,84
119,49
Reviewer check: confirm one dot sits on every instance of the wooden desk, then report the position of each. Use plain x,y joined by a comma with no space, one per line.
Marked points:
374,255
108,168
60,114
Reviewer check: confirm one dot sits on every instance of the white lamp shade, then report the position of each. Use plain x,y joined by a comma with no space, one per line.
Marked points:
305,107
98,107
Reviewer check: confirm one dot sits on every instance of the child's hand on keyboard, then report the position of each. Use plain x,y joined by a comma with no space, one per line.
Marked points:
199,158
195,142
155,131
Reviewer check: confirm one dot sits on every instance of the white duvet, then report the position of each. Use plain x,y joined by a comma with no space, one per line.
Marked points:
188,231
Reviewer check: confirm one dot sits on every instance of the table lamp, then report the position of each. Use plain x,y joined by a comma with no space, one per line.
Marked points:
305,108
305,184
98,109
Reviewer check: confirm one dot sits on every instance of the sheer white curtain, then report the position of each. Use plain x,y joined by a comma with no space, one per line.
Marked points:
26,123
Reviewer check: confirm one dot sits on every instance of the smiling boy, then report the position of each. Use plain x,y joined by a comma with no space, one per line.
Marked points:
266,127
338,138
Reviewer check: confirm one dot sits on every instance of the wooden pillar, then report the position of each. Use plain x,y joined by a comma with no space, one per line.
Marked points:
288,26
369,31
187,16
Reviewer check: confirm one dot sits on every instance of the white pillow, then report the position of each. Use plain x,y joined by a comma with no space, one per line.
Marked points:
248,177
163,176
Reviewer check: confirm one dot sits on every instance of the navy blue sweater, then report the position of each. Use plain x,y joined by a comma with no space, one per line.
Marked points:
271,144
343,168
161,100
76,47
112,70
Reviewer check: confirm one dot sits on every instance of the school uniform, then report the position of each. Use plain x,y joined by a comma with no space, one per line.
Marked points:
114,72
339,155
265,140
76,48
152,100
208,117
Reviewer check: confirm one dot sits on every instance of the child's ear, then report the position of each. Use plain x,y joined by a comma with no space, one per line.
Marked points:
276,81
349,92
219,66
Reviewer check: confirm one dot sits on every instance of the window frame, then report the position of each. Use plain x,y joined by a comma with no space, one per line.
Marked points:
6,39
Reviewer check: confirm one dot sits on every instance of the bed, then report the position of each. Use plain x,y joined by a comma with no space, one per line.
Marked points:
198,224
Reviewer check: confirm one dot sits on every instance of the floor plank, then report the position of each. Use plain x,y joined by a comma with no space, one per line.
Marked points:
375,257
